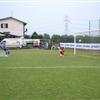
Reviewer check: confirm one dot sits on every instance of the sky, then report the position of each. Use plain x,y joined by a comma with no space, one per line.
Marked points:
54,16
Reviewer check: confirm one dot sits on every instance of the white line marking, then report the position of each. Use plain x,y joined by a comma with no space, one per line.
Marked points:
57,67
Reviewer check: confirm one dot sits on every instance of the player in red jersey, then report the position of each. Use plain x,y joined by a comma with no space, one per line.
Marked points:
61,52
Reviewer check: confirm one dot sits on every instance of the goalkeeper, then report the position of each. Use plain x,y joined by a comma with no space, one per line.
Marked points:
5,48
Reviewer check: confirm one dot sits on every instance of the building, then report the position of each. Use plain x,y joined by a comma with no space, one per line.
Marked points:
12,27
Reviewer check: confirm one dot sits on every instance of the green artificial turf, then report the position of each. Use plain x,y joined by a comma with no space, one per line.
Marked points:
36,74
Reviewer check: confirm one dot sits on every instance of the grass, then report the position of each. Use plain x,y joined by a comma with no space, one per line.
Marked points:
36,74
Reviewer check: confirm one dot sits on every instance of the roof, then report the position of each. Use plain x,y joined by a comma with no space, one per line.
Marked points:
7,34
6,18
2,35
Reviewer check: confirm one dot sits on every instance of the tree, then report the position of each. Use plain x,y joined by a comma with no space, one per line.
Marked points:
27,36
64,38
55,38
40,36
34,35
86,39
46,36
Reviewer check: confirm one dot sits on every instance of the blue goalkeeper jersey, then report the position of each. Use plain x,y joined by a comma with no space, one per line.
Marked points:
3,46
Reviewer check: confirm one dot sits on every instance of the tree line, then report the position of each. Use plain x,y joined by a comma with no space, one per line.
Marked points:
64,38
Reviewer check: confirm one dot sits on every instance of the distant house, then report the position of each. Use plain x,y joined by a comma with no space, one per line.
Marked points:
12,27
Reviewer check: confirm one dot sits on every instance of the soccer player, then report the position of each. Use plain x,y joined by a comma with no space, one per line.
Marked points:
61,52
5,48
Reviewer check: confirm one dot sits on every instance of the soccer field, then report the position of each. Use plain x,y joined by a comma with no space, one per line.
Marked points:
36,74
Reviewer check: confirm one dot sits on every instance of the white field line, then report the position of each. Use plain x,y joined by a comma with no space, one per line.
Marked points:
88,56
56,67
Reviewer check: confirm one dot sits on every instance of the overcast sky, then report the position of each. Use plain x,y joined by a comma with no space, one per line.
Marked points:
49,17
